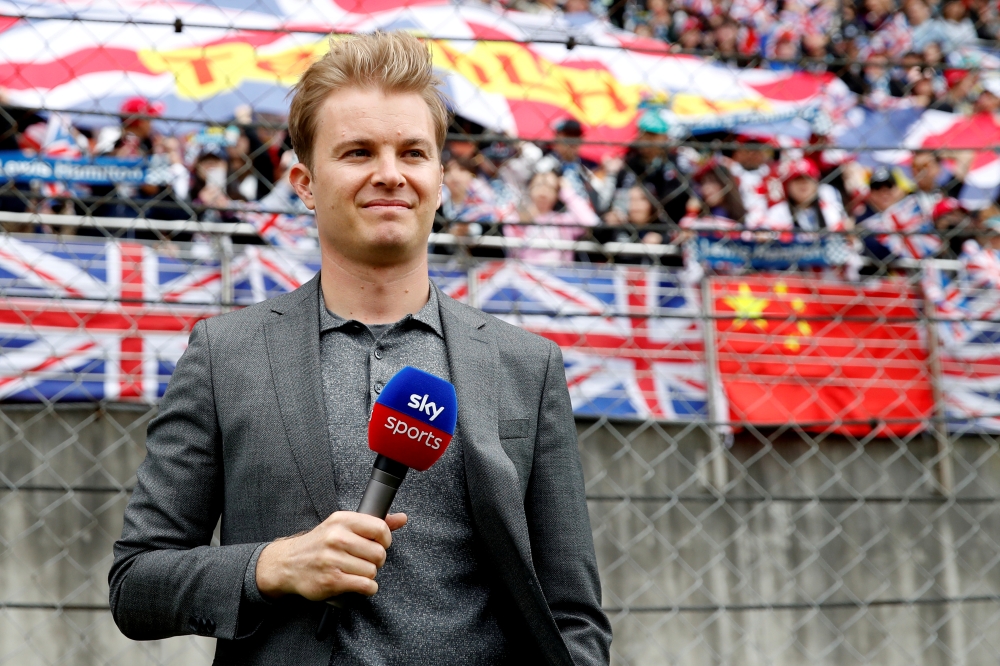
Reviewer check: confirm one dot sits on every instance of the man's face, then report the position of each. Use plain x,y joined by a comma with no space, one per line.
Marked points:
926,171
376,176
567,147
882,197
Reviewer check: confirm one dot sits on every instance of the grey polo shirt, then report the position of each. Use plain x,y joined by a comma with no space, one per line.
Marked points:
432,604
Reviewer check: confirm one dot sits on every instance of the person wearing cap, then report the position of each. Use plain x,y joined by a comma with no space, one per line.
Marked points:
883,192
210,184
907,229
808,205
584,175
953,224
135,138
648,162
915,213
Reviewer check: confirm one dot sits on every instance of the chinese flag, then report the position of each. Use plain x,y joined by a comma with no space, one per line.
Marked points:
826,355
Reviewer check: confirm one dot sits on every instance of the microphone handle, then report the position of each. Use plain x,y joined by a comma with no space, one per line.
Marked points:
387,475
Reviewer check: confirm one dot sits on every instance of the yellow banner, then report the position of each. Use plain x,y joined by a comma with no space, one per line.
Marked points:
593,96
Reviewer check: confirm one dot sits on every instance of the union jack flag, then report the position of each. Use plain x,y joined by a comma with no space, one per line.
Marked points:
907,216
631,340
108,320
969,302
92,321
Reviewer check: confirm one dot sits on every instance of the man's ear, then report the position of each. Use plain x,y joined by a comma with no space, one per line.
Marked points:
301,180
440,197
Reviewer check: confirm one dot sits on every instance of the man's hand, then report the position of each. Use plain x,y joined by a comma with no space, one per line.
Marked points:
341,554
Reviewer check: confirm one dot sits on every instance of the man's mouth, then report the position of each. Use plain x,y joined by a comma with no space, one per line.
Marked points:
387,203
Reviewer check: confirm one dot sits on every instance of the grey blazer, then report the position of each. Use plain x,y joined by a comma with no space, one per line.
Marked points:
241,434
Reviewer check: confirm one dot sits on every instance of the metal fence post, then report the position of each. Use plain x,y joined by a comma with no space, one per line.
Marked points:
720,470
227,297
951,580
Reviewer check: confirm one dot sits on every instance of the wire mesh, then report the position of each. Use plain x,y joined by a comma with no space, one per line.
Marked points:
769,255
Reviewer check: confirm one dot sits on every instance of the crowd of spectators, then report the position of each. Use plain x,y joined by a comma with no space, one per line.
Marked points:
932,54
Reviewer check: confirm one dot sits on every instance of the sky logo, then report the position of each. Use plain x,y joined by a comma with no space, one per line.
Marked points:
421,404
414,418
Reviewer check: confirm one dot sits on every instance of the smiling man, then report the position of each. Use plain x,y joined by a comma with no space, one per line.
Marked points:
490,559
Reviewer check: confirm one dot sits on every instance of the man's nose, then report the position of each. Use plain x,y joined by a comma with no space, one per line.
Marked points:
387,172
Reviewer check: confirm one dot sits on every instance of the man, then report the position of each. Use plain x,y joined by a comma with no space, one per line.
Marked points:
883,193
265,419
906,229
584,175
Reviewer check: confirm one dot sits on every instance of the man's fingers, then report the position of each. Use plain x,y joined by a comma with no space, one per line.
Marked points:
395,521
365,526
366,549
361,585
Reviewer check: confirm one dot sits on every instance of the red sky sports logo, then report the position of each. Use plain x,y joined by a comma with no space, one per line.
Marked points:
405,438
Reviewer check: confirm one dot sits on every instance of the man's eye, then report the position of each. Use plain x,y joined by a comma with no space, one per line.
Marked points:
414,153
357,152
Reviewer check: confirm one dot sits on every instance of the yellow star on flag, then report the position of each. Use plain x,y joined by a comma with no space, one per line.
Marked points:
747,307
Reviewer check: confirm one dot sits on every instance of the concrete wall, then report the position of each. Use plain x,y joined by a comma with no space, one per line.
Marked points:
670,556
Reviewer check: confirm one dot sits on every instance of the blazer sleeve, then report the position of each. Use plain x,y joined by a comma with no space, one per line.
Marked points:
562,546
165,579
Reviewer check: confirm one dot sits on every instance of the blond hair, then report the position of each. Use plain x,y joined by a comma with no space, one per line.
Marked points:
392,62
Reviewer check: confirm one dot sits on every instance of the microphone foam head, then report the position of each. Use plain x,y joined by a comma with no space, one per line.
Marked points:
414,418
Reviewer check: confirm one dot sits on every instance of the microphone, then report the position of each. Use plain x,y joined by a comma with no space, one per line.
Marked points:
411,425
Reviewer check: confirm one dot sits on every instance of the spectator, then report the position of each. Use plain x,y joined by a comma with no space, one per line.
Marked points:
633,225
750,164
545,191
467,200
907,229
134,138
988,237
689,37
209,183
923,29
954,226
785,50
958,98
14,196
957,30
649,163
718,196
808,205
883,192
582,174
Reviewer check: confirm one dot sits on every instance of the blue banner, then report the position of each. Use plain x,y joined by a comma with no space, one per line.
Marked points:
97,171
803,251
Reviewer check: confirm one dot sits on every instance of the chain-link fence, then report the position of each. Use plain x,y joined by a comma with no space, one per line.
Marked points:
771,263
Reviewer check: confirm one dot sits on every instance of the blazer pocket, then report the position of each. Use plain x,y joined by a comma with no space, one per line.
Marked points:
517,446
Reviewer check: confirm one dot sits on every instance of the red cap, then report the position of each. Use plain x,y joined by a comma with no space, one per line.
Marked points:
946,206
955,76
798,169
140,106
692,23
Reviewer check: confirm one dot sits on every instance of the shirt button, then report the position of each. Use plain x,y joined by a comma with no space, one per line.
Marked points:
378,353
378,387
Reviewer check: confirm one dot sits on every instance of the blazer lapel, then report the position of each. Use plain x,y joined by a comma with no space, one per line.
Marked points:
293,354
491,478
